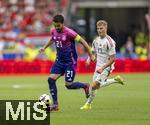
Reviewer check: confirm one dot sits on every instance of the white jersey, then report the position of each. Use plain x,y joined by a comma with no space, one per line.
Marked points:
103,48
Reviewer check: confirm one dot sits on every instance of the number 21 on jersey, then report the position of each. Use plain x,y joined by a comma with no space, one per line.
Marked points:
69,73
58,44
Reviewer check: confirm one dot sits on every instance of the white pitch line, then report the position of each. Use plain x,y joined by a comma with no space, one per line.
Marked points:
15,86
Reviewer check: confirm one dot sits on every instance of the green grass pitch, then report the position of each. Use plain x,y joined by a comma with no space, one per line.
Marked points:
113,105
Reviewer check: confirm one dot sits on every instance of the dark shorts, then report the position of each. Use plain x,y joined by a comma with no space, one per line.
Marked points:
69,70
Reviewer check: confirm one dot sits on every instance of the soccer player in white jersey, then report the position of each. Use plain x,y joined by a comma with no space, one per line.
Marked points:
103,47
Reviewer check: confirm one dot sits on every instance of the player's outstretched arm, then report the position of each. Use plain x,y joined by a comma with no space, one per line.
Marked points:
88,49
45,46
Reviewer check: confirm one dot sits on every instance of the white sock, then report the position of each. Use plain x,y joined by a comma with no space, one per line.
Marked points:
107,82
92,96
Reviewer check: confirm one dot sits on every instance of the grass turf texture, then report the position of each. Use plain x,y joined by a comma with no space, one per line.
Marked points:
113,105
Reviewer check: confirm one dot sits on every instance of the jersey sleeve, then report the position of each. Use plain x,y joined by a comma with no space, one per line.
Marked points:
93,46
51,34
72,34
112,48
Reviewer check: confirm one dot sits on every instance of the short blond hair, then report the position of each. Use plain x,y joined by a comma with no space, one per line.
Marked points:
102,22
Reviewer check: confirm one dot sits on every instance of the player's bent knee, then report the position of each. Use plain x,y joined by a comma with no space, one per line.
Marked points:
68,85
50,80
95,86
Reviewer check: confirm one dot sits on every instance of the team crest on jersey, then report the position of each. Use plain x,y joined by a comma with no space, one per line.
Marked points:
104,46
63,38
54,37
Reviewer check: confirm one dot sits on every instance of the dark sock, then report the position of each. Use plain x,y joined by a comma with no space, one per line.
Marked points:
53,89
76,85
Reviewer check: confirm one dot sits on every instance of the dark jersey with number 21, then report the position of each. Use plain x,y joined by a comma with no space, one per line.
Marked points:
65,45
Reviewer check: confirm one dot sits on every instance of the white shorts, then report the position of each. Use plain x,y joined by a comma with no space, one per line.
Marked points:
101,77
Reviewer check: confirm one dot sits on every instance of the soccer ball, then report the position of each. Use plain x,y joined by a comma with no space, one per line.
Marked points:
45,100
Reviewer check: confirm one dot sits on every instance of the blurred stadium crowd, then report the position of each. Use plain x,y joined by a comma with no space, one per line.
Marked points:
135,48
22,20
18,18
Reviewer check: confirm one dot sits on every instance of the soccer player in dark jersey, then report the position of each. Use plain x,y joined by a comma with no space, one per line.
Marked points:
64,39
